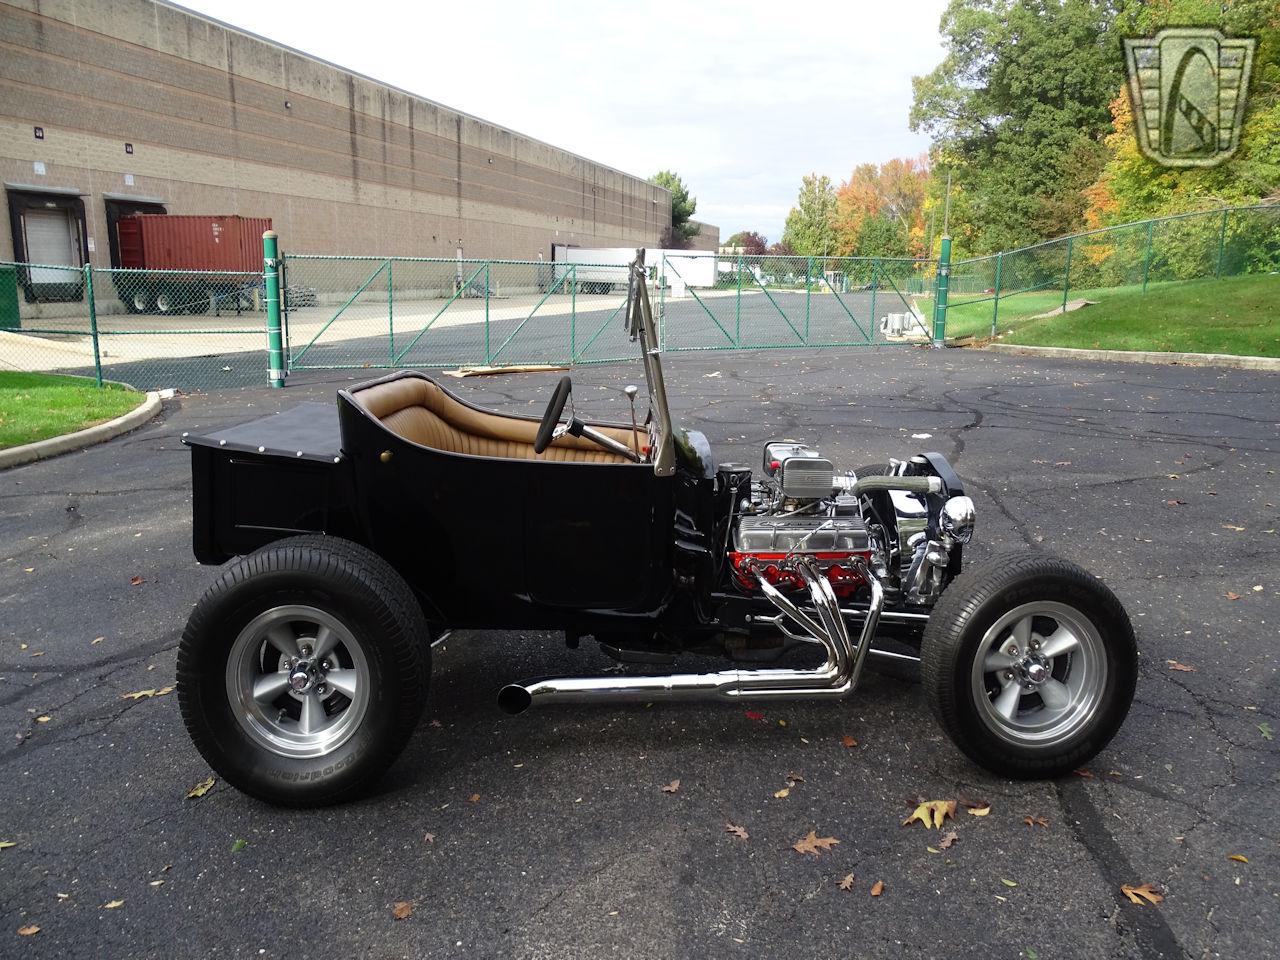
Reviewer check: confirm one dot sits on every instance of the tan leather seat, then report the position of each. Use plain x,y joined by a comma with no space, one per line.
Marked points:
422,412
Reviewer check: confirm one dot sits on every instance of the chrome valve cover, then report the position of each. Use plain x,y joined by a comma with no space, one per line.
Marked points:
800,534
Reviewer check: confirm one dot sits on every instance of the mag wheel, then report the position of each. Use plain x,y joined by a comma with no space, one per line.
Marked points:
1029,663
303,670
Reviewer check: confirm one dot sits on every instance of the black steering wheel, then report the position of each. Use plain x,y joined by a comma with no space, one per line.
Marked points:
552,417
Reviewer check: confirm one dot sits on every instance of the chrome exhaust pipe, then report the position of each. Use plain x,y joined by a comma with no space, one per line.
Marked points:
835,678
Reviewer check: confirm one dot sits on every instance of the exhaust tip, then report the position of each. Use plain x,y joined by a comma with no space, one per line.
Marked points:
513,699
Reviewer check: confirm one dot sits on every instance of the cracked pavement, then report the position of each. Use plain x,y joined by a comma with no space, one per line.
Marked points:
1142,474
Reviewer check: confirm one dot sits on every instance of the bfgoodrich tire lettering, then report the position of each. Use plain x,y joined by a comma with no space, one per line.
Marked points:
1022,729
359,594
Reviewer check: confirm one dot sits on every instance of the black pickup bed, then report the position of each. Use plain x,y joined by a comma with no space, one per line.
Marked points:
258,481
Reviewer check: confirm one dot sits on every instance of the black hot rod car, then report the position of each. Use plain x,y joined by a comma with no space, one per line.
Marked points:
360,537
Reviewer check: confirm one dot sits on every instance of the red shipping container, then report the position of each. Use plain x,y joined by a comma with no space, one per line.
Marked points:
165,241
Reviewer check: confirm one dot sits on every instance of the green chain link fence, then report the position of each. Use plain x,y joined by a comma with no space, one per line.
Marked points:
992,294
153,329
203,330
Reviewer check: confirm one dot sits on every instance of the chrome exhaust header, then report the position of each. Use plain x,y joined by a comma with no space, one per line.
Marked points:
835,678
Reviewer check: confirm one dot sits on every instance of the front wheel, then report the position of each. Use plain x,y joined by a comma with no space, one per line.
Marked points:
303,670
1029,664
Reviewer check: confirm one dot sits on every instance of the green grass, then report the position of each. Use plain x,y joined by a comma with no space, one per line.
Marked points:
36,406
1236,316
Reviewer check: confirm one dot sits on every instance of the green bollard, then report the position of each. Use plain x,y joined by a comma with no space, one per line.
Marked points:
940,297
271,279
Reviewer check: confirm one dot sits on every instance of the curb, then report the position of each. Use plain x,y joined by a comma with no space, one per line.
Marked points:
68,442
1141,356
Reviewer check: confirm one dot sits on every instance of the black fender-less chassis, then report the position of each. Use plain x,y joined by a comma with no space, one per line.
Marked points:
360,534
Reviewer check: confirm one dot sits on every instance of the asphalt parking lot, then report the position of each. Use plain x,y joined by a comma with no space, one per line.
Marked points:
549,835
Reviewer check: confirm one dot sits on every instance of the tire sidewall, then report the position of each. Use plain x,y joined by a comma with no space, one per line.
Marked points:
1091,600
211,717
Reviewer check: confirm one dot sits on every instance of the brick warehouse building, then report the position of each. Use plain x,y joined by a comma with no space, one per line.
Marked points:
107,109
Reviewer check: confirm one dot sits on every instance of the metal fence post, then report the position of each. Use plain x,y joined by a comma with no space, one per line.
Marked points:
93,323
1066,277
1146,262
940,295
1222,240
487,290
271,280
573,312
391,323
737,311
875,285
662,304
995,303
808,283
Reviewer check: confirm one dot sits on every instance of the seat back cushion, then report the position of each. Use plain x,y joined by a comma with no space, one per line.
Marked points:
420,411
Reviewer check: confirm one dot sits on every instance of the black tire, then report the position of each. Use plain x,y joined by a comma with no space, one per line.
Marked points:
355,587
972,605
143,300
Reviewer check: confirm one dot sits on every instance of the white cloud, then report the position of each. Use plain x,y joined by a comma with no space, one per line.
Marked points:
742,99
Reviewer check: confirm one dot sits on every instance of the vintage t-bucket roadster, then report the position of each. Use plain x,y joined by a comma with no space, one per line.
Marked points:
303,669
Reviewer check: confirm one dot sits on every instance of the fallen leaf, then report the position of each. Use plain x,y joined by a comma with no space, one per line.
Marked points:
402,909
672,787
1180,667
135,580
63,896
1138,894
474,798
1176,503
435,724
1232,526
754,715
96,640
1231,595
239,845
782,794
429,837
113,905
814,844
200,789
877,888
139,694
736,831
30,930
948,840
6,844
933,849
1084,773
847,882
45,718
1008,883
931,813
848,741
1265,730
782,723
1036,822
1238,858
1257,588
794,778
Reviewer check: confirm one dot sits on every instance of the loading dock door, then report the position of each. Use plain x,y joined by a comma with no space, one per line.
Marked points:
52,239
48,233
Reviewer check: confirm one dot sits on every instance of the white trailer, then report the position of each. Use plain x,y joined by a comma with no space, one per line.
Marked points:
603,269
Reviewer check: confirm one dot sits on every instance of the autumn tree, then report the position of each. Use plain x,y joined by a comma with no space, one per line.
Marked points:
880,209
753,244
683,207
810,226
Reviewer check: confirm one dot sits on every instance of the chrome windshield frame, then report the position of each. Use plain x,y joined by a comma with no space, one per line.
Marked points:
641,326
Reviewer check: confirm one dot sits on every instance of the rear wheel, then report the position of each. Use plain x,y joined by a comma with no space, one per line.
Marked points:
303,671
142,300
1029,663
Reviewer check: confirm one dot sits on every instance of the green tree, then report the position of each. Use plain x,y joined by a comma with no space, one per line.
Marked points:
882,236
1019,105
810,228
683,207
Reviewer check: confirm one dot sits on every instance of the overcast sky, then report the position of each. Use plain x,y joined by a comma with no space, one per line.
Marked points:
741,99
